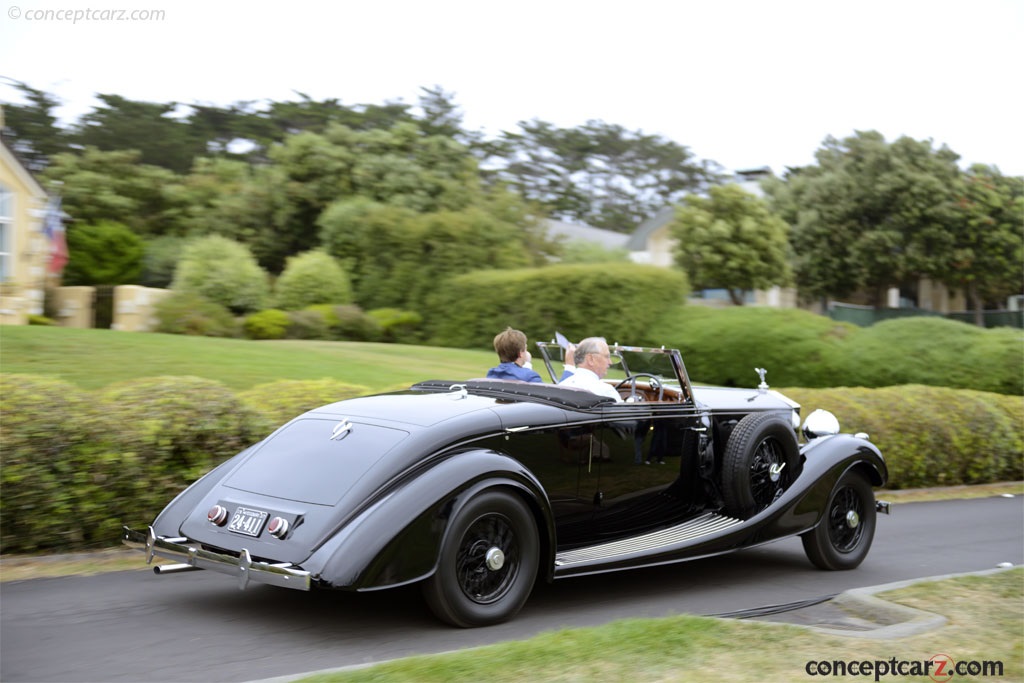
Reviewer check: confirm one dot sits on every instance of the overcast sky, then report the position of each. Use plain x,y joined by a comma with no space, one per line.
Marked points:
746,83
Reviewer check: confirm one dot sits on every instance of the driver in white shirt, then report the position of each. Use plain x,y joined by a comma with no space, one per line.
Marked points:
592,362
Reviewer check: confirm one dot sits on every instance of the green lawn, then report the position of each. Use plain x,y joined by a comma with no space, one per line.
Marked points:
95,358
985,616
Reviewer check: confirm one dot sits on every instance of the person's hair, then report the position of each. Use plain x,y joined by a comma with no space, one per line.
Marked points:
588,345
509,344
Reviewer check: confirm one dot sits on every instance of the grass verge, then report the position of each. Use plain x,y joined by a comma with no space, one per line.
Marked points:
985,614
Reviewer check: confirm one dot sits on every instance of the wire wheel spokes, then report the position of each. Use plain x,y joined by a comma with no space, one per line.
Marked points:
768,475
488,559
844,520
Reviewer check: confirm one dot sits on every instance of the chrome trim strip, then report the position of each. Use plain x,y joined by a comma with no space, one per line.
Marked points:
706,524
243,567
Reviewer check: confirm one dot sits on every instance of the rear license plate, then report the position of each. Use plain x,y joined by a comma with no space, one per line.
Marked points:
248,522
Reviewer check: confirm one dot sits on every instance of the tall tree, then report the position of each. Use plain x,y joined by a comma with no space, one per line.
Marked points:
161,138
985,257
867,216
31,129
116,186
598,173
731,240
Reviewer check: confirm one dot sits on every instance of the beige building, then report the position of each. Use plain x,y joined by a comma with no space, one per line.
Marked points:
24,249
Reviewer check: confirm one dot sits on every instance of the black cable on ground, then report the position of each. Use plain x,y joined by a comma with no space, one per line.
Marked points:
772,609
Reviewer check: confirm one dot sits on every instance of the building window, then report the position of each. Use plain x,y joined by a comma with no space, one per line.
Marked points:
6,232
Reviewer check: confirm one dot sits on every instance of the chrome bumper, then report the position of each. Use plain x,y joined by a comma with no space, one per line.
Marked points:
191,557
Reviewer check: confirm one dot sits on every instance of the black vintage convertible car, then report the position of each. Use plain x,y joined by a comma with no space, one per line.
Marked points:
477,488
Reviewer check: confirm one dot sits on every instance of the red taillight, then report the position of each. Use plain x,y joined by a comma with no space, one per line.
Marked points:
278,527
218,514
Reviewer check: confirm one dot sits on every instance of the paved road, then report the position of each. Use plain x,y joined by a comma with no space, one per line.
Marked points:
136,626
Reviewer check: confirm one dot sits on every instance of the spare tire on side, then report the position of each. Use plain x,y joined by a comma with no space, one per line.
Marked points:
759,463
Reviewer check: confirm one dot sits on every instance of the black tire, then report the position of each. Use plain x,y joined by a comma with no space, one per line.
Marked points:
843,537
464,591
757,447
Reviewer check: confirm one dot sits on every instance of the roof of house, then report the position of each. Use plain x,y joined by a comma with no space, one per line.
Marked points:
580,232
638,240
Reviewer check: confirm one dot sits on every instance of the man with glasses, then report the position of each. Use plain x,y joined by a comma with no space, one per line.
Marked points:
592,362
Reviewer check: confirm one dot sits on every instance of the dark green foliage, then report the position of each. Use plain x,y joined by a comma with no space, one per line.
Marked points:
938,352
269,324
190,313
398,326
616,301
312,278
931,436
278,402
60,467
181,427
103,253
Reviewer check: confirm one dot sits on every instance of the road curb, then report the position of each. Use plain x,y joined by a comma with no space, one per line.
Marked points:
860,613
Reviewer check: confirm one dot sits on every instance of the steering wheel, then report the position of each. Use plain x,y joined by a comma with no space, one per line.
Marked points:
632,379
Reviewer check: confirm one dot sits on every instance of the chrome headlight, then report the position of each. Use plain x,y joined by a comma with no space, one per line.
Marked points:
820,423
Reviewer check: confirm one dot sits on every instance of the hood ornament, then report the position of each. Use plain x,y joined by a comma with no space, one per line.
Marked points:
763,386
341,430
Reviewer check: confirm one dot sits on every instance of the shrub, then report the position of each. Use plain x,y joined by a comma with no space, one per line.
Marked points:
723,346
180,427
278,402
937,352
34,319
398,326
103,253
312,278
615,300
307,324
189,313
161,258
931,436
224,272
351,323
269,324
61,470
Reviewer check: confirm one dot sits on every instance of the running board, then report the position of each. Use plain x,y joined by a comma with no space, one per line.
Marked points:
704,525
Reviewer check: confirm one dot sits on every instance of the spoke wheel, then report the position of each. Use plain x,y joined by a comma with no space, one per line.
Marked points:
487,564
759,463
843,537
488,560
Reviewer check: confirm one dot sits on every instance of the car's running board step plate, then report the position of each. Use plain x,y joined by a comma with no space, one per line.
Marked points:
704,525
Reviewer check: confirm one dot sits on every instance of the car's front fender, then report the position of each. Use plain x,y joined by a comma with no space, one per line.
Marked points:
396,539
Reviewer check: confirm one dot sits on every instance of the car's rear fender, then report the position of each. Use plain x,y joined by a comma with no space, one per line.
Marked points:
396,539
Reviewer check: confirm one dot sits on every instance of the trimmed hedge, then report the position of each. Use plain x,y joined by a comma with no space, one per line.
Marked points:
931,436
799,348
61,472
612,300
181,427
71,457
278,402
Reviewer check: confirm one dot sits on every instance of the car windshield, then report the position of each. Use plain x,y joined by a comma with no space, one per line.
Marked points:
626,361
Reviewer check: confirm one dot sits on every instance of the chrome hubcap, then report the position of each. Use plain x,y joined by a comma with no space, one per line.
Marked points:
852,519
495,559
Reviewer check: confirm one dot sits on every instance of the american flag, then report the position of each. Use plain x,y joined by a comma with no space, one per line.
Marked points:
53,228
